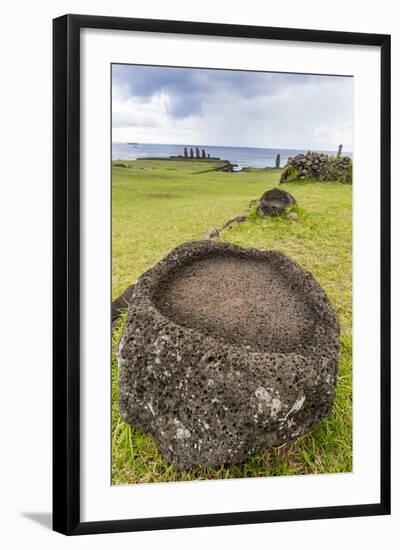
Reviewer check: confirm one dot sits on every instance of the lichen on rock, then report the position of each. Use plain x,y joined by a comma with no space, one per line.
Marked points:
226,351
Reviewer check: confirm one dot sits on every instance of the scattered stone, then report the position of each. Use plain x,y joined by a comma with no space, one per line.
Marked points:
293,216
213,234
274,202
237,219
214,378
253,203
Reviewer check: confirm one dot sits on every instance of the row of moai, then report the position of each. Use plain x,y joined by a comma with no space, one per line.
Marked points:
192,153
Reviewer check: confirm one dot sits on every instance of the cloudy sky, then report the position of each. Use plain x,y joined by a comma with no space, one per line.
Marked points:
231,108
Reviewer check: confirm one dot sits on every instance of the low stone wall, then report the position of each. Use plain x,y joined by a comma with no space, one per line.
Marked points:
318,166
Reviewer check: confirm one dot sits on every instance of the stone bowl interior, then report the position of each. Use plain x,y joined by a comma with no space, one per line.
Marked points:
226,351
246,301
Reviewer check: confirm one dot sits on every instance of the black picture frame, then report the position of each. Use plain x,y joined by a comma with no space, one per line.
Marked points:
66,273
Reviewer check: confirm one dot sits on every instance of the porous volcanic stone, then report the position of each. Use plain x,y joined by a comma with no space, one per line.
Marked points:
226,351
274,202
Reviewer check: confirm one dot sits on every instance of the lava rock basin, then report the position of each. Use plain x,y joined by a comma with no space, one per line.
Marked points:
226,351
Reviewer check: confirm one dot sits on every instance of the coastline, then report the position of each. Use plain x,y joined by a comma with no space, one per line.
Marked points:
253,157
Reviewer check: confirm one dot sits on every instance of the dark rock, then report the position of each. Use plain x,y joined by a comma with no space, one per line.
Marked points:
226,351
275,201
120,165
252,203
237,219
228,167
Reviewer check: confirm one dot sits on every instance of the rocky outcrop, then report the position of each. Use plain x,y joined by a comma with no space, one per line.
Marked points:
318,166
226,351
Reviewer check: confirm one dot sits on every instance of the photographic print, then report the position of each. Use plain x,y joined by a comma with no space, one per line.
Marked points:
231,274
221,302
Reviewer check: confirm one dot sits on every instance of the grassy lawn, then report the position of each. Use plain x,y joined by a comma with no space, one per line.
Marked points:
160,204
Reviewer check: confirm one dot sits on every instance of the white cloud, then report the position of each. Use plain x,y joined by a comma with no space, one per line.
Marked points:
315,113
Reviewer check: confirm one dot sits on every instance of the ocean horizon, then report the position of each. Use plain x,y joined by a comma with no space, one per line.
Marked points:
254,157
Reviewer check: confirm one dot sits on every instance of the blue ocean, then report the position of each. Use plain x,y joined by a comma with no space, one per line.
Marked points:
256,157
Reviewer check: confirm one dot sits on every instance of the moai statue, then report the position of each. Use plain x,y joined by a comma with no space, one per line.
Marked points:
208,155
185,153
191,153
197,153
203,154
278,161
339,153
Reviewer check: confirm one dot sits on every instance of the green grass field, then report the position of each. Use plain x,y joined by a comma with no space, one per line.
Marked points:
157,205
